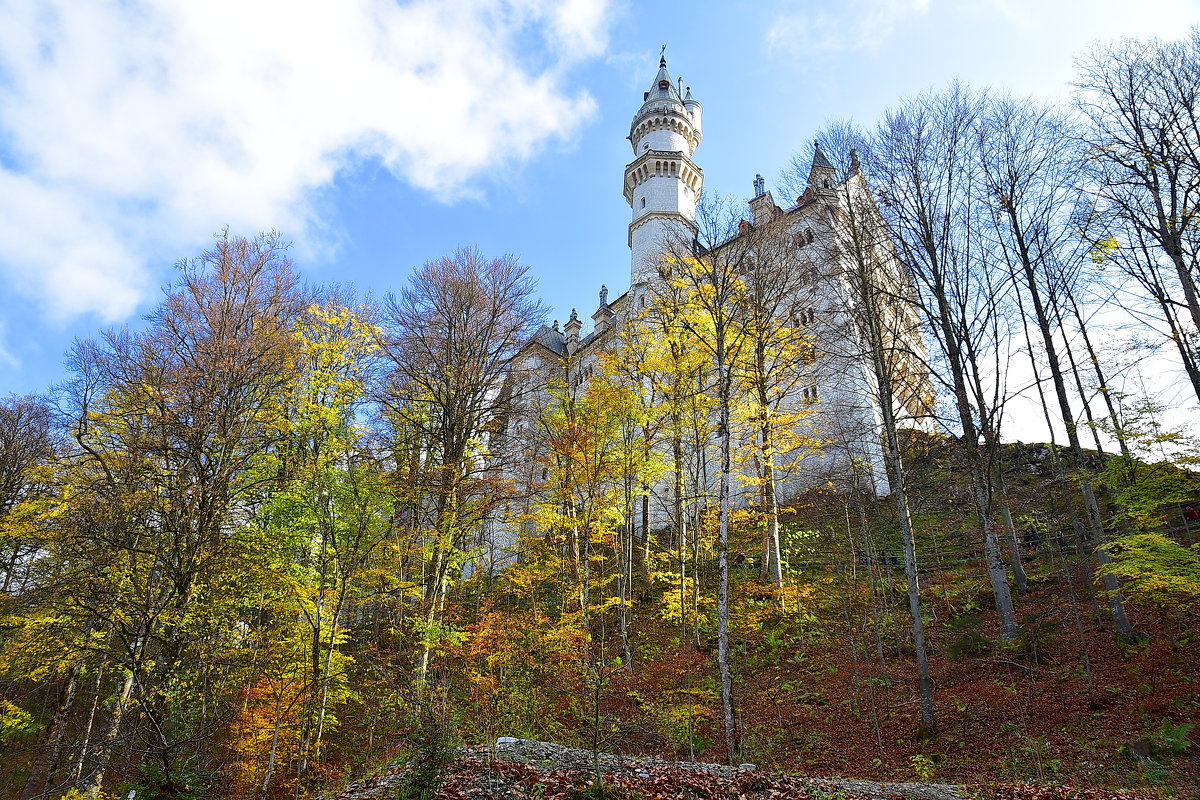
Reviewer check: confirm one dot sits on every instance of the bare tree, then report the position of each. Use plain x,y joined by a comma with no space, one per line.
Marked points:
881,341
923,158
1142,100
1032,174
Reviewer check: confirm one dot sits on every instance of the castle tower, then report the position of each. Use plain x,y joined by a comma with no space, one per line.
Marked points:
662,184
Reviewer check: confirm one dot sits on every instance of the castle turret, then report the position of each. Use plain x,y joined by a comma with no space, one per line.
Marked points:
822,177
662,184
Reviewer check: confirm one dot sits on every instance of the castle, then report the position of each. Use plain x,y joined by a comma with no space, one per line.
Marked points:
662,185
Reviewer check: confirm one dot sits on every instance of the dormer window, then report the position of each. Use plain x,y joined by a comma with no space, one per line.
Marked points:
664,85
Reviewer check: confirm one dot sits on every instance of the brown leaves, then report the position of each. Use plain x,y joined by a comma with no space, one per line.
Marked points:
1035,792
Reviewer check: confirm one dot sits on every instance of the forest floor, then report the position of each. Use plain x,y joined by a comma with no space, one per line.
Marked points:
538,771
818,698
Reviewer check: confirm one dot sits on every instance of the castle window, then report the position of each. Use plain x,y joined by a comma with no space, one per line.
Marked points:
643,202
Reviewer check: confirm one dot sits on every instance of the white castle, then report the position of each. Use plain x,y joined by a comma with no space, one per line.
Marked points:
662,186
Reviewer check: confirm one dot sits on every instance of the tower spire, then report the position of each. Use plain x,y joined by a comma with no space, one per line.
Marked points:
662,184
822,176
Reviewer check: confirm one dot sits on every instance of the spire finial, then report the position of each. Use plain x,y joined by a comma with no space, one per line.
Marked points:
662,56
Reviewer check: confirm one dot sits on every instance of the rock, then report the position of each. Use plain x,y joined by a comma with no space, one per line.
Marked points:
747,767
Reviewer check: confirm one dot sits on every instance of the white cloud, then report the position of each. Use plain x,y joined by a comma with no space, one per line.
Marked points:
132,128
854,25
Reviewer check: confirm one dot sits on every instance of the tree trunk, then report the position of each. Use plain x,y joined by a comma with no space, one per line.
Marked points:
1014,550
1115,602
772,553
94,780
723,490
266,781
46,763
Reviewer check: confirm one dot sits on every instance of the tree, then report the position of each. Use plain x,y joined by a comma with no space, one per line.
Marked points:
708,274
169,424
924,160
881,342
780,355
329,500
29,444
1032,175
1142,102
451,337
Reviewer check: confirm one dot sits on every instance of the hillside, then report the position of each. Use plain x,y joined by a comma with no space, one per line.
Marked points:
828,686
824,673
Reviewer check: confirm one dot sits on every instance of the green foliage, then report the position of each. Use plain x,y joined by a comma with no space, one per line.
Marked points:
434,752
1155,569
598,791
15,722
923,766
1158,472
1171,740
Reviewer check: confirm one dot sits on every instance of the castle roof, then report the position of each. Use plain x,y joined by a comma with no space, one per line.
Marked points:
660,92
552,339
819,158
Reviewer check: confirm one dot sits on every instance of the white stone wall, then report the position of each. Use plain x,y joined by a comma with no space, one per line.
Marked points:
649,240
663,138
663,193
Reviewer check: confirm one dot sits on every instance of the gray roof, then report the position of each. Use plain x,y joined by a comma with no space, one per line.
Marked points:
552,340
819,159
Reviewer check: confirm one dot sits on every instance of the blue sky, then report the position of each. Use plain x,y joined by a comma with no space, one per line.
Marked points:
377,135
